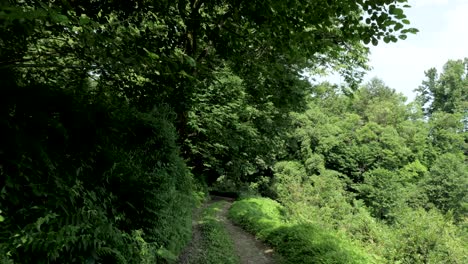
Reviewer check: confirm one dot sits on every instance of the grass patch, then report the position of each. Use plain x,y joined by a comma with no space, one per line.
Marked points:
295,242
216,245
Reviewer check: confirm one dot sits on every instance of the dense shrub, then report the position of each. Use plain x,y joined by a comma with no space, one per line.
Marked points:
83,173
382,190
446,184
427,237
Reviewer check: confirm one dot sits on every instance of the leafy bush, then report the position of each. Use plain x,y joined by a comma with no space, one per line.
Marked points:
311,197
83,173
446,184
382,191
412,236
427,237
296,242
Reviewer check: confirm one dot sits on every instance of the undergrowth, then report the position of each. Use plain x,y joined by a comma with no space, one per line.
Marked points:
295,242
216,245
92,180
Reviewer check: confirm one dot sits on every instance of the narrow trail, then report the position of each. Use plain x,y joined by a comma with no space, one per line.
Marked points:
194,245
248,248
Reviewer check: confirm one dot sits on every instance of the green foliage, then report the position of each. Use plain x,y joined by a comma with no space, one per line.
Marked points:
382,191
427,237
447,91
103,103
288,179
305,243
129,178
257,215
216,246
226,138
360,170
446,184
380,104
295,242
305,196
409,235
352,135
200,190
447,133
83,172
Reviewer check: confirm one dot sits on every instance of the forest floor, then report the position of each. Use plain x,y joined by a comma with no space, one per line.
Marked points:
249,249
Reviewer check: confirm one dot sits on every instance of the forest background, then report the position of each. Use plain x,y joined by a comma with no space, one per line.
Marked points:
117,117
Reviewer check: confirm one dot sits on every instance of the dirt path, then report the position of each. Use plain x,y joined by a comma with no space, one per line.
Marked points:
194,246
248,248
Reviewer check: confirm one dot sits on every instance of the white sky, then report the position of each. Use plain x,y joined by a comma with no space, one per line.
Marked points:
443,35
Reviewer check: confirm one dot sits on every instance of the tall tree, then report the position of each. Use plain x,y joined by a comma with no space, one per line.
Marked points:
447,91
